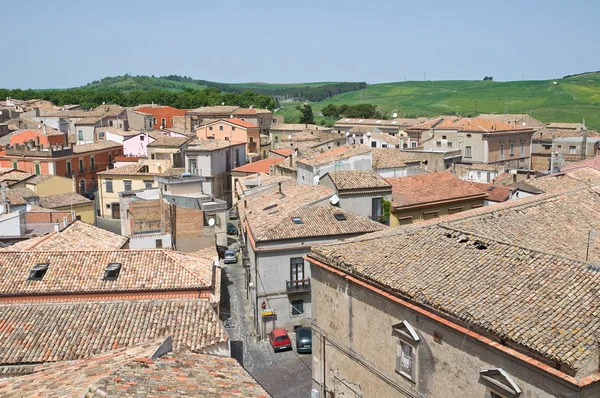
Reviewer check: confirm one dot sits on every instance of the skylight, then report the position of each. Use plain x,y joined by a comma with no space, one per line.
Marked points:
38,272
340,216
270,207
297,220
111,272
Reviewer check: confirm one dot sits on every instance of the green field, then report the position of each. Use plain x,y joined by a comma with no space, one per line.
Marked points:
258,85
569,100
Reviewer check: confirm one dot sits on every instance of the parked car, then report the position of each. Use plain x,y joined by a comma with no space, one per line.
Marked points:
304,340
233,213
230,257
231,229
280,340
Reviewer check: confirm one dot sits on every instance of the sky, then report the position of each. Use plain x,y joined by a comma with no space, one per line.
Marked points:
60,44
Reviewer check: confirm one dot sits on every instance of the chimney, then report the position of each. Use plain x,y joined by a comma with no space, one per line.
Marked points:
279,183
56,227
245,204
514,178
258,180
65,222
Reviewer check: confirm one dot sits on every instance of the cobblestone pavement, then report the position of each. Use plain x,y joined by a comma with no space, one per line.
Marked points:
282,374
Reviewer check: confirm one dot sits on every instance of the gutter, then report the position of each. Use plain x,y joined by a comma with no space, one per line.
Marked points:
573,381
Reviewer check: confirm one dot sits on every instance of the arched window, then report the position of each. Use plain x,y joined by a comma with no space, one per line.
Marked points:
81,187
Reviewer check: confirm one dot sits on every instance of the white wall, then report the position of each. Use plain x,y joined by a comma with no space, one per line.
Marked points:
307,173
148,241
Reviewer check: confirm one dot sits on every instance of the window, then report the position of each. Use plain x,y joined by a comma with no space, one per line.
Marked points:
37,168
80,135
443,137
109,159
142,137
296,269
81,165
92,163
163,122
439,143
489,177
101,135
232,128
69,171
15,165
148,184
373,144
297,307
376,208
572,149
153,120
522,148
158,243
384,145
449,144
109,185
497,379
297,220
81,187
210,128
226,138
340,216
38,272
127,184
220,128
112,271
501,151
108,206
478,175
512,149
413,144
110,123
406,349
467,151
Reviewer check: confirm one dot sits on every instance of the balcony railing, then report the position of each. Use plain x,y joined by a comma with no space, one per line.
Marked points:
299,286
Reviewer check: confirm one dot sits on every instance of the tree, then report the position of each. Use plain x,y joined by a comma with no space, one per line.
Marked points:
307,115
331,111
490,78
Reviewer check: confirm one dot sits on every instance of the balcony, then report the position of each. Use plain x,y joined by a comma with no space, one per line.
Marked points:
301,286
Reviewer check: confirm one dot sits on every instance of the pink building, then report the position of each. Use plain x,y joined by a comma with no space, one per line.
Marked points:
234,130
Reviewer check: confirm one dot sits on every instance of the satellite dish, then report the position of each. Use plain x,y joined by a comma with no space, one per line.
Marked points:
394,114
347,134
334,200
39,126
368,133
316,180
353,135
523,124
289,137
211,222
28,207
222,103
1,209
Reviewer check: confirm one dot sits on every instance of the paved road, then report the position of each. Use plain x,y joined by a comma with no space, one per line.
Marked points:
283,374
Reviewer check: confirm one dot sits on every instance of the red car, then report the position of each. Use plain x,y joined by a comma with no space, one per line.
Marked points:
280,340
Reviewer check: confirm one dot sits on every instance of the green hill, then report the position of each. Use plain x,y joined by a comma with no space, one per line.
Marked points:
569,100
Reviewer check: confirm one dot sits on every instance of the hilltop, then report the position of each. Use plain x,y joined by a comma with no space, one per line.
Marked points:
567,100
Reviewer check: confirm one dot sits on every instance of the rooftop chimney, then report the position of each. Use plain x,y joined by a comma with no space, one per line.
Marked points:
56,227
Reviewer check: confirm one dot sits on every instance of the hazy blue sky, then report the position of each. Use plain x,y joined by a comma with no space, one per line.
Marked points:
69,43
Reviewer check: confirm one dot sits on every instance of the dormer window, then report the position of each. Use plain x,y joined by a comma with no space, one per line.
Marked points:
38,272
112,271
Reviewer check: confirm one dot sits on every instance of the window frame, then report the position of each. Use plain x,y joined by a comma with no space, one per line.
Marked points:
572,149
296,305
127,182
297,263
108,182
406,336
468,150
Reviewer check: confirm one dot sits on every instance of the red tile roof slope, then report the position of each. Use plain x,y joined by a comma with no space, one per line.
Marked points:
496,193
283,151
430,188
262,166
241,123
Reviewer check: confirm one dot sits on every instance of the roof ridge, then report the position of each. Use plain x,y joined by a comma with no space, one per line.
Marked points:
173,255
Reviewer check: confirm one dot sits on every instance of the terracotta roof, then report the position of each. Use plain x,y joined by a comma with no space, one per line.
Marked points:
161,111
250,111
570,179
388,139
590,162
357,180
38,178
77,236
397,122
430,188
96,146
225,110
342,152
132,372
535,300
63,199
546,133
570,126
210,144
60,331
250,182
283,151
128,169
88,120
169,142
240,122
47,132
301,136
509,179
477,124
14,176
17,196
83,271
117,131
261,166
496,193
389,158
275,128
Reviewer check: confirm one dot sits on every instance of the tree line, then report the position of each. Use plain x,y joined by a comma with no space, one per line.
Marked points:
365,111
187,99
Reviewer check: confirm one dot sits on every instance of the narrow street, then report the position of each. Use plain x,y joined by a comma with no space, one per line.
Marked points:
282,374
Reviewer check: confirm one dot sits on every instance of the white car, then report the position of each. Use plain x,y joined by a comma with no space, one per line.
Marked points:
230,257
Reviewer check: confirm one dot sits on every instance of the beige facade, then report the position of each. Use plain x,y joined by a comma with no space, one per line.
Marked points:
49,186
358,339
400,216
233,131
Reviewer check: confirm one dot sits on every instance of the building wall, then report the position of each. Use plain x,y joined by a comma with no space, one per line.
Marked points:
231,133
148,241
162,112
50,186
414,215
359,357
107,199
85,212
520,160
408,170
138,121
85,133
13,224
306,173
137,145
45,140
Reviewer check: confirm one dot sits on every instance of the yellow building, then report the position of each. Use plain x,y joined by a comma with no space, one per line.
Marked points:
44,184
426,196
126,178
